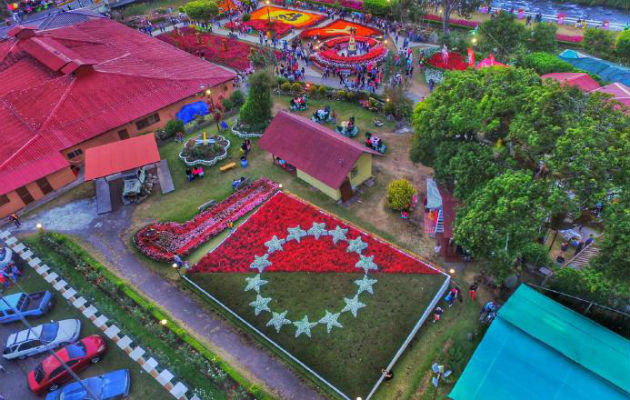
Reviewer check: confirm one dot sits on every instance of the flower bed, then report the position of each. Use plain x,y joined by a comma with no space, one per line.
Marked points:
453,21
227,51
569,38
282,212
455,61
294,18
161,241
340,27
188,156
330,56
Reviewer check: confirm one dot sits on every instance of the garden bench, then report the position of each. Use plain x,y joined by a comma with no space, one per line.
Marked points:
205,205
227,167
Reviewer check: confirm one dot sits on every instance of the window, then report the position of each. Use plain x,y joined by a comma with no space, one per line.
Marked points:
39,373
123,134
76,350
75,153
4,199
148,121
49,332
57,371
25,195
44,185
354,172
29,345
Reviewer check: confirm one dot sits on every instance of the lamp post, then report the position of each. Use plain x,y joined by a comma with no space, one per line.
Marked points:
178,269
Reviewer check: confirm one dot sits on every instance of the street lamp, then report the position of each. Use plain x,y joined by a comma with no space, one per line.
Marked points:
163,322
40,227
451,271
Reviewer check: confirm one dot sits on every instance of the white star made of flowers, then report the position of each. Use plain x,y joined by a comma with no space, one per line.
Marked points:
353,305
365,284
255,283
260,304
318,230
366,263
296,233
274,244
260,263
330,320
338,234
304,326
278,320
356,245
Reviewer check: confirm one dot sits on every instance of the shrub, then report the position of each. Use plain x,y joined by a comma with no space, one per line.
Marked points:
350,96
399,194
201,10
598,41
227,103
323,91
376,7
237,98
341,94
398,104
246,17
543,37
281,80
622,45
172,128
296,87
545,63
256,112
286,87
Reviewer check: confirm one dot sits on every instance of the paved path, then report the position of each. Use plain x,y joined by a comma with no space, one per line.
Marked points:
106,236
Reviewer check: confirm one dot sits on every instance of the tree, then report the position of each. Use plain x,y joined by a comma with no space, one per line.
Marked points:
201,10
447,7
502,36
399,194
472,166
501,220
622,45
543,37
598,41
397,104
256,112
174,127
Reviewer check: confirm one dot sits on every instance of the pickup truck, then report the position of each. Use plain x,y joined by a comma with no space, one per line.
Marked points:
15,306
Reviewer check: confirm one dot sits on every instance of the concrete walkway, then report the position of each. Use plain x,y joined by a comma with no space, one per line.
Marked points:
106,236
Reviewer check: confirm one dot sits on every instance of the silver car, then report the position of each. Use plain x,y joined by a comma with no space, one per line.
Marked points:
39,339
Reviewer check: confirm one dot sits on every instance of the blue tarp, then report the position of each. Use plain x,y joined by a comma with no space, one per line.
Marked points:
190,111
606,70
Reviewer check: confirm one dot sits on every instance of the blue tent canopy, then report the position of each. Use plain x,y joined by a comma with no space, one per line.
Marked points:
606,70
190,111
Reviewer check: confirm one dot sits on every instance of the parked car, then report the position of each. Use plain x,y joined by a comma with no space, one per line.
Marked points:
41,338
6,255
15,306
50,373
110,386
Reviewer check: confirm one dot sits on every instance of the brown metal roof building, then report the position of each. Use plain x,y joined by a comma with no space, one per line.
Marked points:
333,163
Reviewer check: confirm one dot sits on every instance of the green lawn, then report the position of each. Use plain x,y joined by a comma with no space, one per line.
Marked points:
143,386
352,357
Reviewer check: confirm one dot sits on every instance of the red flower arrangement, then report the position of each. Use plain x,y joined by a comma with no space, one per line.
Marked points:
460,22
337,41
274,218
161,241
332,58
339,27
214,48
455,61
568,38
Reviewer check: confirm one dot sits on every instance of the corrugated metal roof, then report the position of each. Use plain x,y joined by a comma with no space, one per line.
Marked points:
131,76
312,148
578,79
619,91
124,155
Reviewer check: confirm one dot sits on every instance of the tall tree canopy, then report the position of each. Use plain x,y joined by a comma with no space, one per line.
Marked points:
201,10
502,35
256,112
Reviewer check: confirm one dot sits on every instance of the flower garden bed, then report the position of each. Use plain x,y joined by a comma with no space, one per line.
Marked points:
283,20
219,49
194,154
161,241
339,27
334,297
329,55
455,61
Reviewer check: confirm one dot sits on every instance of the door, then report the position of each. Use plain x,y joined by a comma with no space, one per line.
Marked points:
25,195
346,190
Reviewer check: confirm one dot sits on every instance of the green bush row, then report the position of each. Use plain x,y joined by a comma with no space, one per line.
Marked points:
194,363
546,63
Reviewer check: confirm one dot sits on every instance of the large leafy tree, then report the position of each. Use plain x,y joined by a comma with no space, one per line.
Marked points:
201,10
256,112
502,35
502,219
447,7
543,37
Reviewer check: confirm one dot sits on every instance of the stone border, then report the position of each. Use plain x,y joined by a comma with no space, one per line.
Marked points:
244,135
207,163
165,378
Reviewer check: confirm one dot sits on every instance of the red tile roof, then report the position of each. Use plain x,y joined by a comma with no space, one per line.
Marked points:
66,85
619,91
578,79
312,148
120,156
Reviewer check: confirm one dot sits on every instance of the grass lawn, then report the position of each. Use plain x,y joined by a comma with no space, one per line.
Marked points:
143,386
351,358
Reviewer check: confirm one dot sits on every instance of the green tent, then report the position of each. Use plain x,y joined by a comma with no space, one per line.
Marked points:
538,349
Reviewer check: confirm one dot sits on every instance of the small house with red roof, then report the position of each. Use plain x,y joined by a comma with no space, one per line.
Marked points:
66,89
578,79
333,163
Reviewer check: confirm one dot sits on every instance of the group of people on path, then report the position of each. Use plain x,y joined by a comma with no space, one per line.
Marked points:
453,295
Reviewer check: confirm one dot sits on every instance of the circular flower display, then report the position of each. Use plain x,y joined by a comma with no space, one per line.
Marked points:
336,53
330,319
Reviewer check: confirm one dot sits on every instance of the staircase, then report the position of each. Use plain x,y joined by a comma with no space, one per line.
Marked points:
582,258
439,226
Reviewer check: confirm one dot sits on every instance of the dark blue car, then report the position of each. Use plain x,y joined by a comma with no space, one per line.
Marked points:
16,306
110,386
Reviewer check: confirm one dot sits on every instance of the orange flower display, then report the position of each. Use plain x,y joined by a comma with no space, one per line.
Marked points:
295,18
340,27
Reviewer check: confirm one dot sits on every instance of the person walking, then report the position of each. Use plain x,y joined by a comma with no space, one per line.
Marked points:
437,313
15,219
472,291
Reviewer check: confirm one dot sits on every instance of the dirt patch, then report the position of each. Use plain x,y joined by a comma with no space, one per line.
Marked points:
73,216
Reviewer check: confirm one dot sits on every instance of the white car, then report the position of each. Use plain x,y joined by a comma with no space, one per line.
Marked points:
39,339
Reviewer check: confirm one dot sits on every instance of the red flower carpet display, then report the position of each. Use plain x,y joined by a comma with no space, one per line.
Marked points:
161,241
316,242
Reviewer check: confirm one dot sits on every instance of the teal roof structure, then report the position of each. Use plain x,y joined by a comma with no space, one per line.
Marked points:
538,349
606,70
10,301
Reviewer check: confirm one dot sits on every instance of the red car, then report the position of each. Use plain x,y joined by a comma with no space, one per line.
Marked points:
50,373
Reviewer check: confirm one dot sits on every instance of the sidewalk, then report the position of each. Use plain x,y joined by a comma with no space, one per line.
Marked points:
106,237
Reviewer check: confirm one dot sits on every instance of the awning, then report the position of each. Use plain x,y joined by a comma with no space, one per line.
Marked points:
434,198
120,156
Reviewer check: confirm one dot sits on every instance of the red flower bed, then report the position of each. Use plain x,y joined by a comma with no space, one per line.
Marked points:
568,38
161,241
312,255
336,41
233,53
455,61
340,27
460,22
